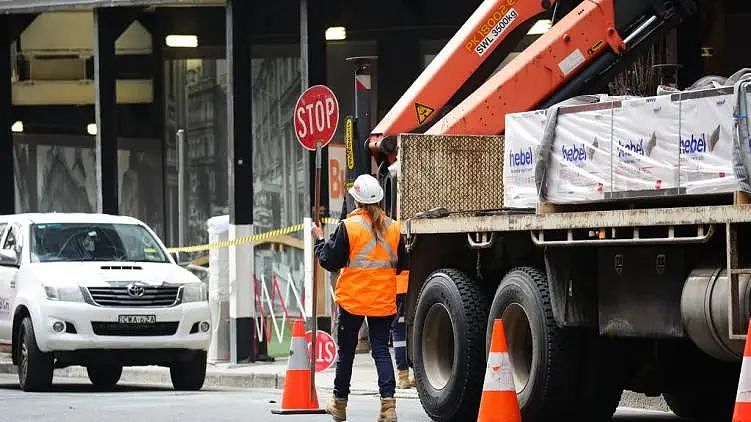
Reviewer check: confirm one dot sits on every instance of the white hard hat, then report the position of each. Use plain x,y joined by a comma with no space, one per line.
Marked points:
366,190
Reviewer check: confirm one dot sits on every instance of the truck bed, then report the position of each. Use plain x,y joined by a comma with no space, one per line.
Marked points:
511,221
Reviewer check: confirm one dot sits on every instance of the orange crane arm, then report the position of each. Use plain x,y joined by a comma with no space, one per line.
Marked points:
585,45
543,68
487,29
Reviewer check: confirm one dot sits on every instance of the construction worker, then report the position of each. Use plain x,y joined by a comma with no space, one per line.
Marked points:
399,334
366,246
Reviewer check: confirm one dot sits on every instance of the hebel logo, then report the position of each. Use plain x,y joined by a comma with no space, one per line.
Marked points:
630,148
700,144
574,153
522,158
694,145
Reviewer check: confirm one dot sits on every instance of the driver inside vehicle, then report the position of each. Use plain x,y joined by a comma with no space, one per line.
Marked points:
90,244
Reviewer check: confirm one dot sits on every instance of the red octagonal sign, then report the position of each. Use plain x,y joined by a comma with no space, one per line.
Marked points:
325,349
316,117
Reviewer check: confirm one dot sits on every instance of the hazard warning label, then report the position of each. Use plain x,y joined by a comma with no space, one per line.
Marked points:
423,112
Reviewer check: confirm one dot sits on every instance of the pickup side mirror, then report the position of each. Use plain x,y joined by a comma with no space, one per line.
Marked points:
175,257
8,257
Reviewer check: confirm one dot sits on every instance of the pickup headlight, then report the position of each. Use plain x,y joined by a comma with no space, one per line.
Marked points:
64,294
196,292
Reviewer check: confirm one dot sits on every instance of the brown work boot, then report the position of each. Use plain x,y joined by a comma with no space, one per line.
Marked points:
337,408
388,410
405,382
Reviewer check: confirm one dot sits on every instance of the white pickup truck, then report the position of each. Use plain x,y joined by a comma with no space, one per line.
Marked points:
98,291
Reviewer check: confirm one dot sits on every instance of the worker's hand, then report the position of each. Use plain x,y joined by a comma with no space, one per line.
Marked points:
317,232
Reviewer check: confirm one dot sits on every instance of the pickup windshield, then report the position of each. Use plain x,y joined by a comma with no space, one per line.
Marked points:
93,242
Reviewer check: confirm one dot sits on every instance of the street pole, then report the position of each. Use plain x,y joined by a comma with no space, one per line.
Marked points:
314,323
182,200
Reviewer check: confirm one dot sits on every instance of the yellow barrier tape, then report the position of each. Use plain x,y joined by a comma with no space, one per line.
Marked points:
257,238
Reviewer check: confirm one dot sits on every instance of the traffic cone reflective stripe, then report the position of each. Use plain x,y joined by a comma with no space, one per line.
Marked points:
499,402
298,361
742,412
296,398
498,376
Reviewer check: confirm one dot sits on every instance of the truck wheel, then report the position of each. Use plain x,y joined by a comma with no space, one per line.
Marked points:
189,374
35,368
104,376
539,350
449,342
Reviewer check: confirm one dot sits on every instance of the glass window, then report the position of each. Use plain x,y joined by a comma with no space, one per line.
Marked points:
93,242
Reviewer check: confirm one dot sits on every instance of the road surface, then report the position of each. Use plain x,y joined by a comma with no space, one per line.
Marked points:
77,401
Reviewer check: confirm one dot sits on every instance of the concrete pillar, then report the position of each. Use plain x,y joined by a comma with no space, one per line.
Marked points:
242,312
219,290
105,75
109,23
243,338
7,178
313,58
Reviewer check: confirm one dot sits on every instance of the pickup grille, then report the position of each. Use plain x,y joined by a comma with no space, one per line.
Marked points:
119,297
134,330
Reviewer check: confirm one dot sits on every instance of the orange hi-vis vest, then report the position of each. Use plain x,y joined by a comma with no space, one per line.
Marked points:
402,282
367,285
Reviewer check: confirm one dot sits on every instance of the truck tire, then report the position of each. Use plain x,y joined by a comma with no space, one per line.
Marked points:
35,368
104,376
544,357
189,373
449,345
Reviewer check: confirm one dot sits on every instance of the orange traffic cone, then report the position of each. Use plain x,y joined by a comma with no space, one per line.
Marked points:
296,397
742,412
499,402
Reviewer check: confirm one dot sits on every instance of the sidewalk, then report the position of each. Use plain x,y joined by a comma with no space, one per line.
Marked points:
271,376
256,375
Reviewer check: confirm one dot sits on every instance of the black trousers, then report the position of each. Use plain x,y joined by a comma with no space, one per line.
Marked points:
347,335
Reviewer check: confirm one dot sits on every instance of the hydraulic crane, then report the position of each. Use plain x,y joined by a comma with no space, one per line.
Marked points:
456,93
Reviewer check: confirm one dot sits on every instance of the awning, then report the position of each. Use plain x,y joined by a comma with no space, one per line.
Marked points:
29,6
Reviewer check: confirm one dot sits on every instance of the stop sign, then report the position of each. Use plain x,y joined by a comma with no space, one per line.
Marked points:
316,117
325,352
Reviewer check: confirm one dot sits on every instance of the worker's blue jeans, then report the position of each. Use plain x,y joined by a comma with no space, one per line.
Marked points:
347,336
399,335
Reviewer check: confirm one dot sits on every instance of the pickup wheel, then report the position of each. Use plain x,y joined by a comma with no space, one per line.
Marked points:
189,372
449,342
543,356
104,376
35,368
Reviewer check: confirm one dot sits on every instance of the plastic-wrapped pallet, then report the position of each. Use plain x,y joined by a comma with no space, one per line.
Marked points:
580,165
523,134
645,149
707,153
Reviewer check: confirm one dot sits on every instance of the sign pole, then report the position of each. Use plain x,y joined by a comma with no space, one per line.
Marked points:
316,117
314,323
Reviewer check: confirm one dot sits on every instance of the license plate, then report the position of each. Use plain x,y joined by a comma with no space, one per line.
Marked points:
136,319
